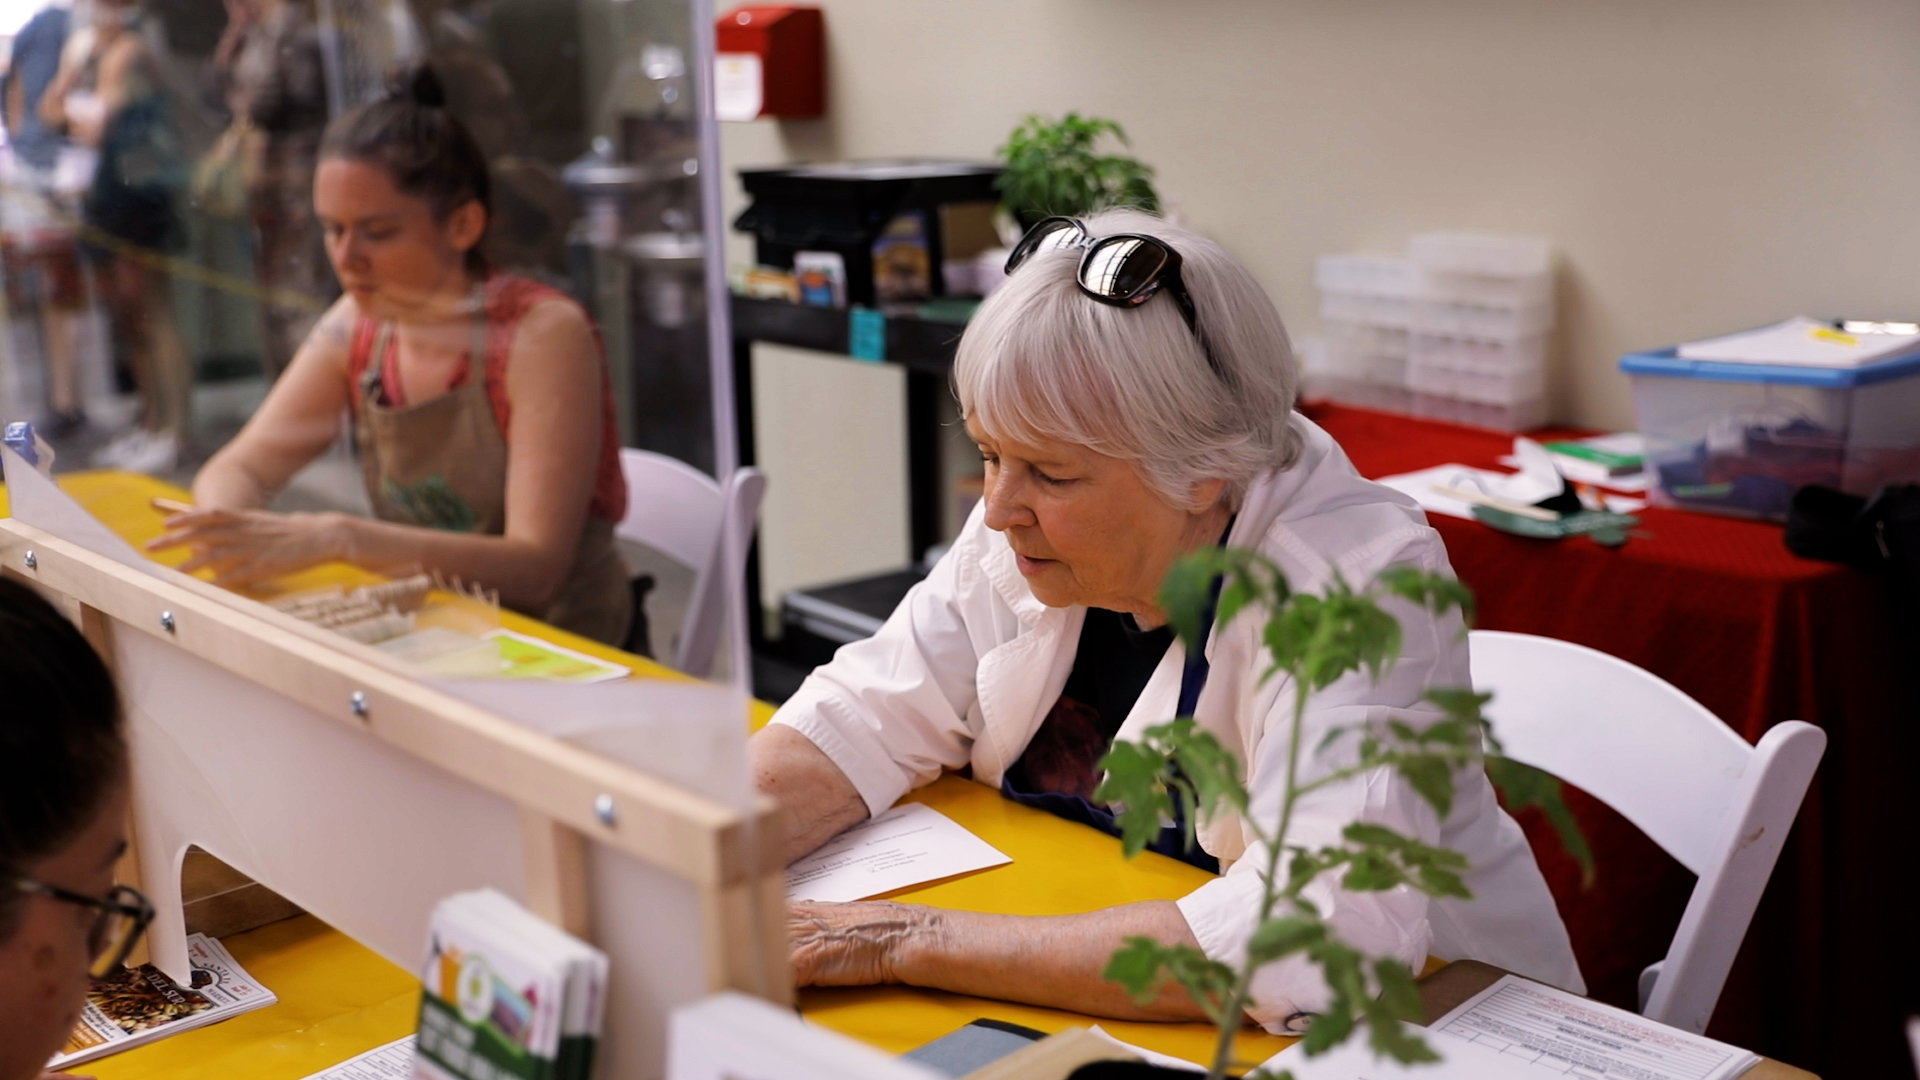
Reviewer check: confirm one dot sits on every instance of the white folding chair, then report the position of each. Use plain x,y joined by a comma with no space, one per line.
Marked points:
1634,741
695,520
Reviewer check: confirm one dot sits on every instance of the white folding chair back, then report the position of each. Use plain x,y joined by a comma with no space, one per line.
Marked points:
1634,741
688,516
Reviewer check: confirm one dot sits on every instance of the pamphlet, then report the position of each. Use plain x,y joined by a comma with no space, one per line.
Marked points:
507,995
1574,1036
139,1005
908,845
523,657
393,1061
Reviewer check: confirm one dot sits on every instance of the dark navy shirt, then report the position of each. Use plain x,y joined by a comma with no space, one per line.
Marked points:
1059,769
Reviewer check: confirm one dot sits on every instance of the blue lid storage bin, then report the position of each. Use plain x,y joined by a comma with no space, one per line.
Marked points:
1741,438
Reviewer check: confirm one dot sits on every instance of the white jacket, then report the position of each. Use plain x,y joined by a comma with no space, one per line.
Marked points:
971,662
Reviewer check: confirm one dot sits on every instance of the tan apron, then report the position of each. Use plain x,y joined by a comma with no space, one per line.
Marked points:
442,464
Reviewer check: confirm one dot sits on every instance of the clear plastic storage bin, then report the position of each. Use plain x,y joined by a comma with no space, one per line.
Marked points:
1518,416
1741,438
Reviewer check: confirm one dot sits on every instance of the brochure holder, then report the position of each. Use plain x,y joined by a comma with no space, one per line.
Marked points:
335,776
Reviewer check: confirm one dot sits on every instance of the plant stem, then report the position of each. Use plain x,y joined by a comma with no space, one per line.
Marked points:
1269,892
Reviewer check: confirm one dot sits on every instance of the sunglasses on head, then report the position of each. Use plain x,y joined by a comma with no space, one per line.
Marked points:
1124,270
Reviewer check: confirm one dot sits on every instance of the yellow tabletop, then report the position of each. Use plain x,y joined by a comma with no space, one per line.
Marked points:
338,999
1058,868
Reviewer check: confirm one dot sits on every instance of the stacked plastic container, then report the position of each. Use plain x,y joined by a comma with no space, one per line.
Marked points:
1366,313
1456,331
1477,353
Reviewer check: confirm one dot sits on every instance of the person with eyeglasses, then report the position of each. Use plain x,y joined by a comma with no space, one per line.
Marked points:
1131,389
63,814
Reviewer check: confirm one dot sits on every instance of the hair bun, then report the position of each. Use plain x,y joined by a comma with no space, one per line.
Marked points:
417,84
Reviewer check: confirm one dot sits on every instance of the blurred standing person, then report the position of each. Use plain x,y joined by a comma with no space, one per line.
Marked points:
267,75
109,97
43,263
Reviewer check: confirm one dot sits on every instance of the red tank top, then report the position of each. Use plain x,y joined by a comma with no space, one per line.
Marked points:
509,298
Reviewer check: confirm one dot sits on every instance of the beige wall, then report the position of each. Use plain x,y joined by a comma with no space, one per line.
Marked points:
1701,165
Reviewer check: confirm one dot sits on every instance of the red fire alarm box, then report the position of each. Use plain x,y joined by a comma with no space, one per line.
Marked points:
769,61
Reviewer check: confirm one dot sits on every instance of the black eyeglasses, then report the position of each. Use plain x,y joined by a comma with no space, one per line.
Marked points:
1124,270
120,918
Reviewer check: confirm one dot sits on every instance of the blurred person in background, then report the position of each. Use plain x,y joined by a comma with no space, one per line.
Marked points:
266,75
43,270
108,95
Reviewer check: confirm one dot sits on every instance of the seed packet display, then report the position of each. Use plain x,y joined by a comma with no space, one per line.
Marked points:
507,995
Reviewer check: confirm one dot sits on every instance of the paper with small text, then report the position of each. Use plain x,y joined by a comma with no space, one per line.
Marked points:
394,1061
908,845
1573,1036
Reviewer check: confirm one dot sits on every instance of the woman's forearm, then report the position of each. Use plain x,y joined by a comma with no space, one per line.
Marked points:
225,483
527,575
1054,961
817,801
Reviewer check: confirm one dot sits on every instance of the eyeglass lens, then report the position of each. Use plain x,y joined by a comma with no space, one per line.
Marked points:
1121,267
114,931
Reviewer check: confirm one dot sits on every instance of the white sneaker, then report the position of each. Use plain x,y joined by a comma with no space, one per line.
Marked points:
158,453
115,454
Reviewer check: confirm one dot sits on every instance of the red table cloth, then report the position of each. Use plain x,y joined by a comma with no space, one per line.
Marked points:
1721,609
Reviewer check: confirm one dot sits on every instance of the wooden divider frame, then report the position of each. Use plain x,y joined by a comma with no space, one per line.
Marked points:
566,797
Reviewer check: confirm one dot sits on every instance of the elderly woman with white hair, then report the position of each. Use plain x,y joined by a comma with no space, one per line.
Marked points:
1131,389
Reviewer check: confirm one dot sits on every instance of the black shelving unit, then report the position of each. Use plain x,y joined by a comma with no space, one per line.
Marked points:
924,348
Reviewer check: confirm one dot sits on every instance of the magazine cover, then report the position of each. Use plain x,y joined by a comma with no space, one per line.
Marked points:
138,1005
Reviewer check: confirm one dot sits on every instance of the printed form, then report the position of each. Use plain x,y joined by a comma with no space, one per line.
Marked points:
393,1061
908,845
1572,1036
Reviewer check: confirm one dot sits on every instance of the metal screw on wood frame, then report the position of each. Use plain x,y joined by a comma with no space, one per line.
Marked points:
603,809
358,702
166,621
33,561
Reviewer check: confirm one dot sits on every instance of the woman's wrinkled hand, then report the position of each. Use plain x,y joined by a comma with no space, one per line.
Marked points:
242,547
854,944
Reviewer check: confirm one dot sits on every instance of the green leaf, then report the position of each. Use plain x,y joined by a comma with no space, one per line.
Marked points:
1136,966
1184,594
1524,785
1276,938
1328,1030
1135,786
1211,768
1399,994
1437,593
1431,778
1371,870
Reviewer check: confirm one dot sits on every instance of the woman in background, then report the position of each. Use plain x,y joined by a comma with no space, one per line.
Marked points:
109,97
63,815
480,401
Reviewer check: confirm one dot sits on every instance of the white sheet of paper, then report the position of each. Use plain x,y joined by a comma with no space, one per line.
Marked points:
737,92
907,845
1354,1060
1420,485
393,1061
1151,1057
1801,342
1577,1037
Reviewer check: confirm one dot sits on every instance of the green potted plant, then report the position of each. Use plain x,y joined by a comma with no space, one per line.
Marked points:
1056,167
1314,640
